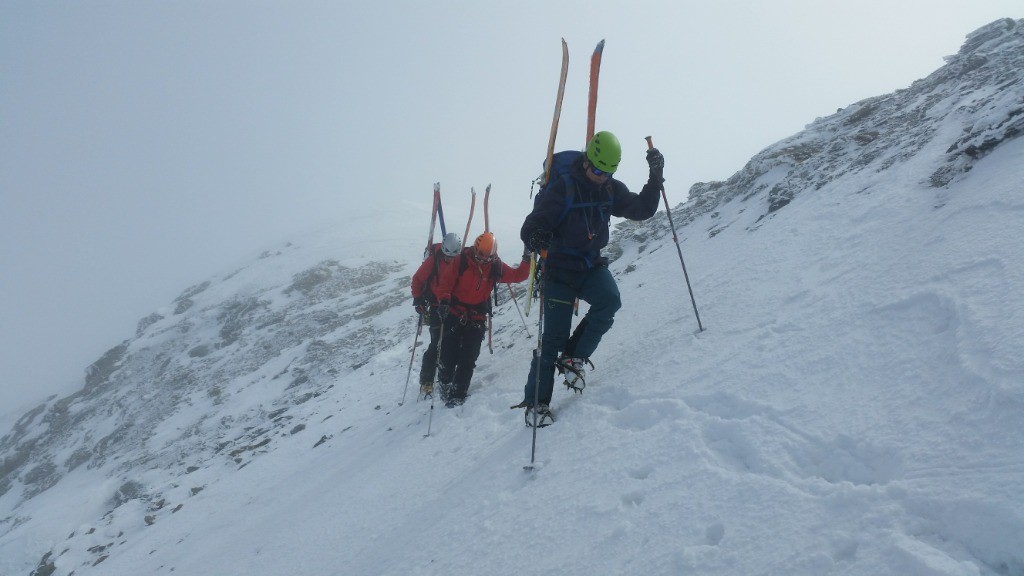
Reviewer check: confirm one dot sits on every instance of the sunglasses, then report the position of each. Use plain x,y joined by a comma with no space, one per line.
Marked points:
596,172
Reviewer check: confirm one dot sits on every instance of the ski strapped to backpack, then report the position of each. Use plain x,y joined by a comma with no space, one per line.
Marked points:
595,71
556,166
435,215
433,219
472,206
545,177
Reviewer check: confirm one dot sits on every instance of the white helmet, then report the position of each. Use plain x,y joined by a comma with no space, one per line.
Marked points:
451,245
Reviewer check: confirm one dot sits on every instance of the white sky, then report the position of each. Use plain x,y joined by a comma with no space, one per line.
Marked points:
145,146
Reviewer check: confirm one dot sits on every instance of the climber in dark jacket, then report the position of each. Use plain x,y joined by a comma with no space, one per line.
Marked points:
569,226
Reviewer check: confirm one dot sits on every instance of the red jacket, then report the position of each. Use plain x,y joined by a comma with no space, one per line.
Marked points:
424,281
467,286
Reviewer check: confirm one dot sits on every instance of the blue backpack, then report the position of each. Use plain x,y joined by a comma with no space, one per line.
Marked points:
561,167
561,164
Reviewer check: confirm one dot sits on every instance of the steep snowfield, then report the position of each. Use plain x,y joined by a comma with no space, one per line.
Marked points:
855,406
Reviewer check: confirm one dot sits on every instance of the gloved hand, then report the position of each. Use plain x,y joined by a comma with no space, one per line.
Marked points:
527,253
657,164
420,304
442,310
540,239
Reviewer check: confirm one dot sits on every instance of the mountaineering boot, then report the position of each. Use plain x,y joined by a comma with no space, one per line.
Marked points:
446,391
544,415
455,401
426,389
575,372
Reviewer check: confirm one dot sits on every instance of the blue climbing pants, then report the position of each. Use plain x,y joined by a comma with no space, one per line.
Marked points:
561,287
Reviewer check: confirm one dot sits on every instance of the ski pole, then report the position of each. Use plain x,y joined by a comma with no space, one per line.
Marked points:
440,356
490,316
536,358
412,358
520,310
675,237
490,313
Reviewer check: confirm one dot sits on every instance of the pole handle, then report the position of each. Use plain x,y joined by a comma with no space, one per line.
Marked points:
650,144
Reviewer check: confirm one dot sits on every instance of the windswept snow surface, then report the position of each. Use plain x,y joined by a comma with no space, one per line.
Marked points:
854,406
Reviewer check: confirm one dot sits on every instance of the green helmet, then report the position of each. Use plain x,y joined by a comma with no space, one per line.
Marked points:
604,152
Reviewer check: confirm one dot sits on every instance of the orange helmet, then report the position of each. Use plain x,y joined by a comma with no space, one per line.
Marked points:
486,246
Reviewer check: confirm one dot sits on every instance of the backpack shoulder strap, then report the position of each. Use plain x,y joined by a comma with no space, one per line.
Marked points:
437,264
496,268
570,195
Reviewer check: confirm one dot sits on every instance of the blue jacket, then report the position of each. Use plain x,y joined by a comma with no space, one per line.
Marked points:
579,226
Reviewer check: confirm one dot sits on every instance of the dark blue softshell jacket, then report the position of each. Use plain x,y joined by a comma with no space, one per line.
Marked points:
579,220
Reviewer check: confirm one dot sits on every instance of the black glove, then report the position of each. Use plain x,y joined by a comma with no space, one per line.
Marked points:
540,239
657,164
442,310
526,253
420,304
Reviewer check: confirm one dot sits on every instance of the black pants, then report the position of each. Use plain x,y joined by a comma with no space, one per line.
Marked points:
460,347
429,367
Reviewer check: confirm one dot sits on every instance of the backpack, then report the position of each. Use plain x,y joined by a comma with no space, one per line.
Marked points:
435,250
432,252
561,166
494,276
495,273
